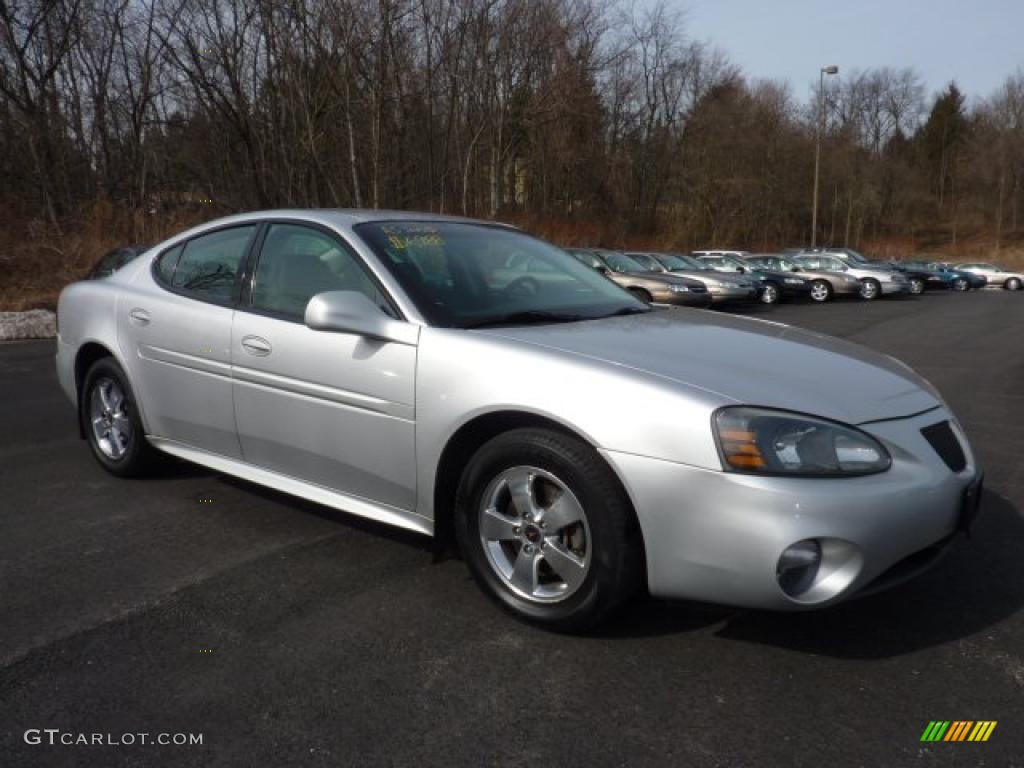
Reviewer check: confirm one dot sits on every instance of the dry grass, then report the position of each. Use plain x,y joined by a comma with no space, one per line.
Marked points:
37,260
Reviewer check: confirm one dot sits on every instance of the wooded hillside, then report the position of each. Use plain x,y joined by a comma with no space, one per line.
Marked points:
122,120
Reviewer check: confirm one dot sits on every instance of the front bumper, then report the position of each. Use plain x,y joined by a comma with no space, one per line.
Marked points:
65,361
843,288
889,288
793,290
717,536
727,293
688,299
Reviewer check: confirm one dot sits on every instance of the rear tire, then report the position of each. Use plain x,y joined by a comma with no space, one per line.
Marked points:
111,423
547,530
961,284
1013,284
916,286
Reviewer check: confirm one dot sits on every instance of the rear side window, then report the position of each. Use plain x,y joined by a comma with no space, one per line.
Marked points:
210,266
166,263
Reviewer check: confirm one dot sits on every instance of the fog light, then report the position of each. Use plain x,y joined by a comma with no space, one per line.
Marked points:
798,566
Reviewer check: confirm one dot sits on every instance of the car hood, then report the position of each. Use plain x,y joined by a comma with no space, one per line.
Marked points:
745,361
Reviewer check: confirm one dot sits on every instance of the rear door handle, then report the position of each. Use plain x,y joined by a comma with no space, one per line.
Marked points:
138,316
256,345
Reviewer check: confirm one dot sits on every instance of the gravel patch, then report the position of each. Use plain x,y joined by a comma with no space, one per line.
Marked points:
34,324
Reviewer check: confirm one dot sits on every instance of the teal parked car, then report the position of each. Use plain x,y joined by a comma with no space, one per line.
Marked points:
938,275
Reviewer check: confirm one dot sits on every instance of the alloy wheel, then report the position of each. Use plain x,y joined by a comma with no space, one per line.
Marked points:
960,284
769,294
108,418
916,286
869,289
819,291
1013,284
535,534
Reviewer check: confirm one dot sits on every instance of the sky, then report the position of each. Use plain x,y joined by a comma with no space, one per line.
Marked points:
976,42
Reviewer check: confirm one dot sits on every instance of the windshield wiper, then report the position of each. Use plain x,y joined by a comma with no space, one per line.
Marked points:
628,311
526,317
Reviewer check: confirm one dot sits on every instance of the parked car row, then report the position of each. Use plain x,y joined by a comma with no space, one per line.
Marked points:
716,277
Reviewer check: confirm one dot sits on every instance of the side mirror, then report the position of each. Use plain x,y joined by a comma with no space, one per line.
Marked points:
353,312
795,269
741,270
603,270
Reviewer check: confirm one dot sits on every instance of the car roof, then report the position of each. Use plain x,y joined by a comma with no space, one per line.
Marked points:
348,217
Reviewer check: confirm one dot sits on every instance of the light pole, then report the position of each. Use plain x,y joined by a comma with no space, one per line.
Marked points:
831,69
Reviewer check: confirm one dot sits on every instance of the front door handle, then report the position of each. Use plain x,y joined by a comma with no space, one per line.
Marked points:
256,345
138,316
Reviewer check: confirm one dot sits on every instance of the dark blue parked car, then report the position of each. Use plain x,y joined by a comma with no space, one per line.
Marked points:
938,275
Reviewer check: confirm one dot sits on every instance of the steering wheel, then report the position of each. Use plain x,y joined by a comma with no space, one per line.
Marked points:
522,286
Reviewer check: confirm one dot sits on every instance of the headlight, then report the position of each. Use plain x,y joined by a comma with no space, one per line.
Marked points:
768,442
679,288
794,281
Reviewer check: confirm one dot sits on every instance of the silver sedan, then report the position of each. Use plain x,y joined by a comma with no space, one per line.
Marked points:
576,444
1011,280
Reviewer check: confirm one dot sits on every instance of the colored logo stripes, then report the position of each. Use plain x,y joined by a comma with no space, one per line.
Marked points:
958,730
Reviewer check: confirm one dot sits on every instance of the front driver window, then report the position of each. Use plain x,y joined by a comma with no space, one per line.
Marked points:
210,265
297,262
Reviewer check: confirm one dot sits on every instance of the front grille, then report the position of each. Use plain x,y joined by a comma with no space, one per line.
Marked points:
941,437
907,568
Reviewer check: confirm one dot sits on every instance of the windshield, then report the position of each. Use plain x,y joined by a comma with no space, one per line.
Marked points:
732,261
674,263
649,262
688,262
856,256
462,275
620,262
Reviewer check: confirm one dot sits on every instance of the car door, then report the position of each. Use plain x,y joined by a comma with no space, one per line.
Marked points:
175,327
334,409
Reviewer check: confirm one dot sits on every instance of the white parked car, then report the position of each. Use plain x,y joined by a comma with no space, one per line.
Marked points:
997,276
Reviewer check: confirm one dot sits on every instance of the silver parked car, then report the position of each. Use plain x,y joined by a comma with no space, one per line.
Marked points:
997,276
723,289
466,380
650,287
874,281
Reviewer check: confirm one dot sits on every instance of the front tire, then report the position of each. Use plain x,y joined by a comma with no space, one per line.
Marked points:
821,291
111,423
547,530
870,289
916,286
770,294
961,284
1013,284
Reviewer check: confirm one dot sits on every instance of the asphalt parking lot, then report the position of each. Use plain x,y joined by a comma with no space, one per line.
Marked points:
286,633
